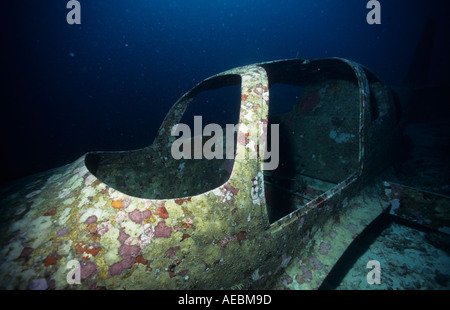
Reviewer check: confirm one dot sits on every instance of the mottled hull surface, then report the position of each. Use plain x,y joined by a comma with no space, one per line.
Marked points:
143,220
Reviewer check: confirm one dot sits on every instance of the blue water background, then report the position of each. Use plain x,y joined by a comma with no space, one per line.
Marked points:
107,83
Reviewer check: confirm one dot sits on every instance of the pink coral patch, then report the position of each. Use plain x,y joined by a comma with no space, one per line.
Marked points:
91,219
136,216
324,248
162,230
147,214
88,269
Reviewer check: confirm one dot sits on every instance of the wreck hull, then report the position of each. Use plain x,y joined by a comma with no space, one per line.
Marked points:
121,237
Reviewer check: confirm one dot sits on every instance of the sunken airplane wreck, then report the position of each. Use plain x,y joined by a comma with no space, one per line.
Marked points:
144,220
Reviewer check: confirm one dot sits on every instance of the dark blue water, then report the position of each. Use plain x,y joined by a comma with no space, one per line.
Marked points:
107,83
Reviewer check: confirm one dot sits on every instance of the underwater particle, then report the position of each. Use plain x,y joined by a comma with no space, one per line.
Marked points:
38,284
162,212
88,269
324,248
117,204
162,230
71,54
49,260
136,216
62,232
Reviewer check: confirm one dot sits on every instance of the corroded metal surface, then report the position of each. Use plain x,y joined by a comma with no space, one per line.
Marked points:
422,207
138,230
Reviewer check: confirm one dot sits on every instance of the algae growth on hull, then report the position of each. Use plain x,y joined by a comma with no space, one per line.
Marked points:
142,220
